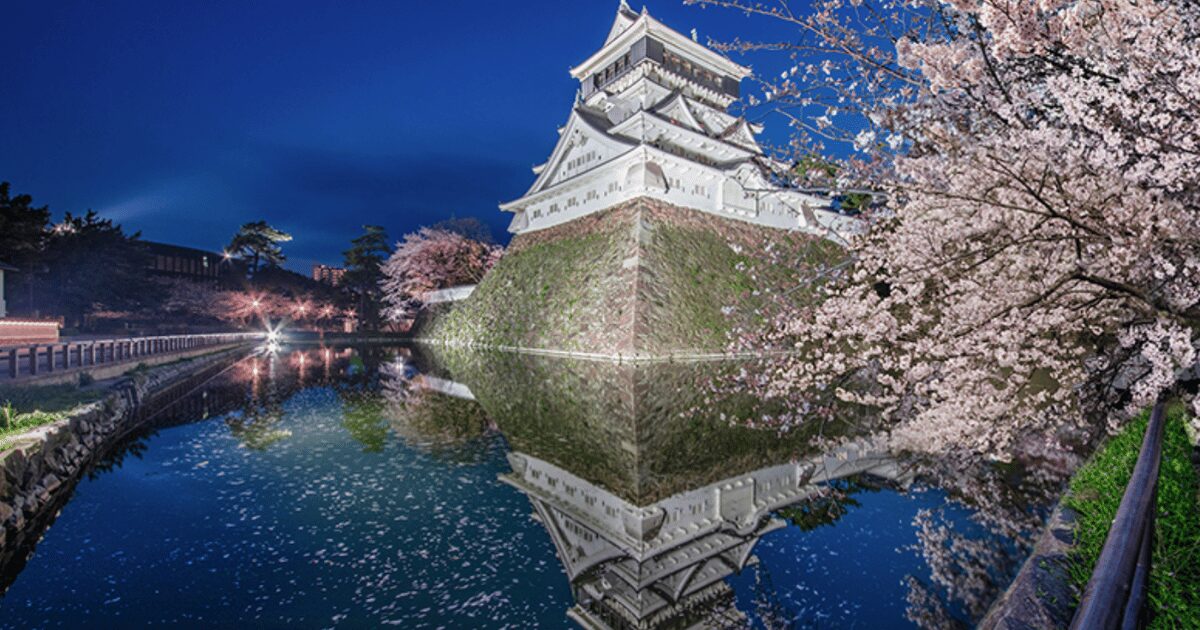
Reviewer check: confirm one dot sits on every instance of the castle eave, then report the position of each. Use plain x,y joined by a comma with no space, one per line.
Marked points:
647,25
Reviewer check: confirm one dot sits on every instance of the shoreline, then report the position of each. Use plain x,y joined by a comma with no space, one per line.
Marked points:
41,467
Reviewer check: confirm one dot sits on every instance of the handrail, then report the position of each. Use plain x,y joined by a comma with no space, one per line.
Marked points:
1116,593
31,359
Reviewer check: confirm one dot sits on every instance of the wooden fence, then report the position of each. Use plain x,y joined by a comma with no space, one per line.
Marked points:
43,358
1116,593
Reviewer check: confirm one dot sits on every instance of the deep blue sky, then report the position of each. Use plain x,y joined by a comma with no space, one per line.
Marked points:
184,119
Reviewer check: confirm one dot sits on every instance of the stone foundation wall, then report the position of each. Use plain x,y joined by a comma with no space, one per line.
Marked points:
639,281
40,470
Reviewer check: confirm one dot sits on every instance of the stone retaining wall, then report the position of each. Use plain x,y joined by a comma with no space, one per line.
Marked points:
640,281
1041,596
44,464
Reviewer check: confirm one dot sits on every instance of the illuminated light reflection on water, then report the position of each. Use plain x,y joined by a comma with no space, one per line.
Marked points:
333,489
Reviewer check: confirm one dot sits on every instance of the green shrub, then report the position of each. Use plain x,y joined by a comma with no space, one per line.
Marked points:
30,406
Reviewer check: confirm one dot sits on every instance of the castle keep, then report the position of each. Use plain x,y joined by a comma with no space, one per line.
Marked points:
651,120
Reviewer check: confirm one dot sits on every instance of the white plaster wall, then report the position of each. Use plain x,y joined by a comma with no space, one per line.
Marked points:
689,185
453,294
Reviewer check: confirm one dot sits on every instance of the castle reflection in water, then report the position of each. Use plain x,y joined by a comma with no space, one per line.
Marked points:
652,497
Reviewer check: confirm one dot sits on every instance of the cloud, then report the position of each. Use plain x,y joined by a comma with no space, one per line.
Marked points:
159,198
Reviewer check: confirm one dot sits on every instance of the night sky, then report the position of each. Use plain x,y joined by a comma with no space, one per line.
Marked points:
185,119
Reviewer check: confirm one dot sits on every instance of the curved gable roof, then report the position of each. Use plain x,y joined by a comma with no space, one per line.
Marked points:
591,124
675,108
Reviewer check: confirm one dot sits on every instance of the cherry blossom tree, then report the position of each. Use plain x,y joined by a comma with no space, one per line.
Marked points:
1039,257
245,307
432,259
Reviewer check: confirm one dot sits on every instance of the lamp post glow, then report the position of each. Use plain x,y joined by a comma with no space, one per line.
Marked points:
273,337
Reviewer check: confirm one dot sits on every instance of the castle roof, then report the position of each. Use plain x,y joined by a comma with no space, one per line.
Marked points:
628,27
626,17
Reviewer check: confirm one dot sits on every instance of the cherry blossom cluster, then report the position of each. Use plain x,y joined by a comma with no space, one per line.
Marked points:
1038,264
432,259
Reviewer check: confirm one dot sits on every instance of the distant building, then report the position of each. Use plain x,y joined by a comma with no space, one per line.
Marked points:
328,275
3,267
21,331
187,262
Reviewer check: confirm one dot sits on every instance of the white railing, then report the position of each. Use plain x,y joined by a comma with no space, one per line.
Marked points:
43,358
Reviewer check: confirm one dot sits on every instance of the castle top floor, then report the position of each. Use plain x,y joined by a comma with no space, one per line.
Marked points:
639,45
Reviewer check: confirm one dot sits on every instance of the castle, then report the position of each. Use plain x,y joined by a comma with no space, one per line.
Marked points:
658,228
651,120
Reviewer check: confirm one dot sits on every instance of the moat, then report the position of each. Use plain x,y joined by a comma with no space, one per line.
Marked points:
376,485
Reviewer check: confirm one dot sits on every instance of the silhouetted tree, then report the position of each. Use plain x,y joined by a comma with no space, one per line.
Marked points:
364,261
22,227
258,242
22,235
91,263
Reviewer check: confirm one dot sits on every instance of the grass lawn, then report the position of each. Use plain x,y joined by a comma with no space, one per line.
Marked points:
1095,494
28,406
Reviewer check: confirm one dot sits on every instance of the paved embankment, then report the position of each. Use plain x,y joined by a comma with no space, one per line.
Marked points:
40,467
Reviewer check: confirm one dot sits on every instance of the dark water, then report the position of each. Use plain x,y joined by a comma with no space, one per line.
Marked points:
374,486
